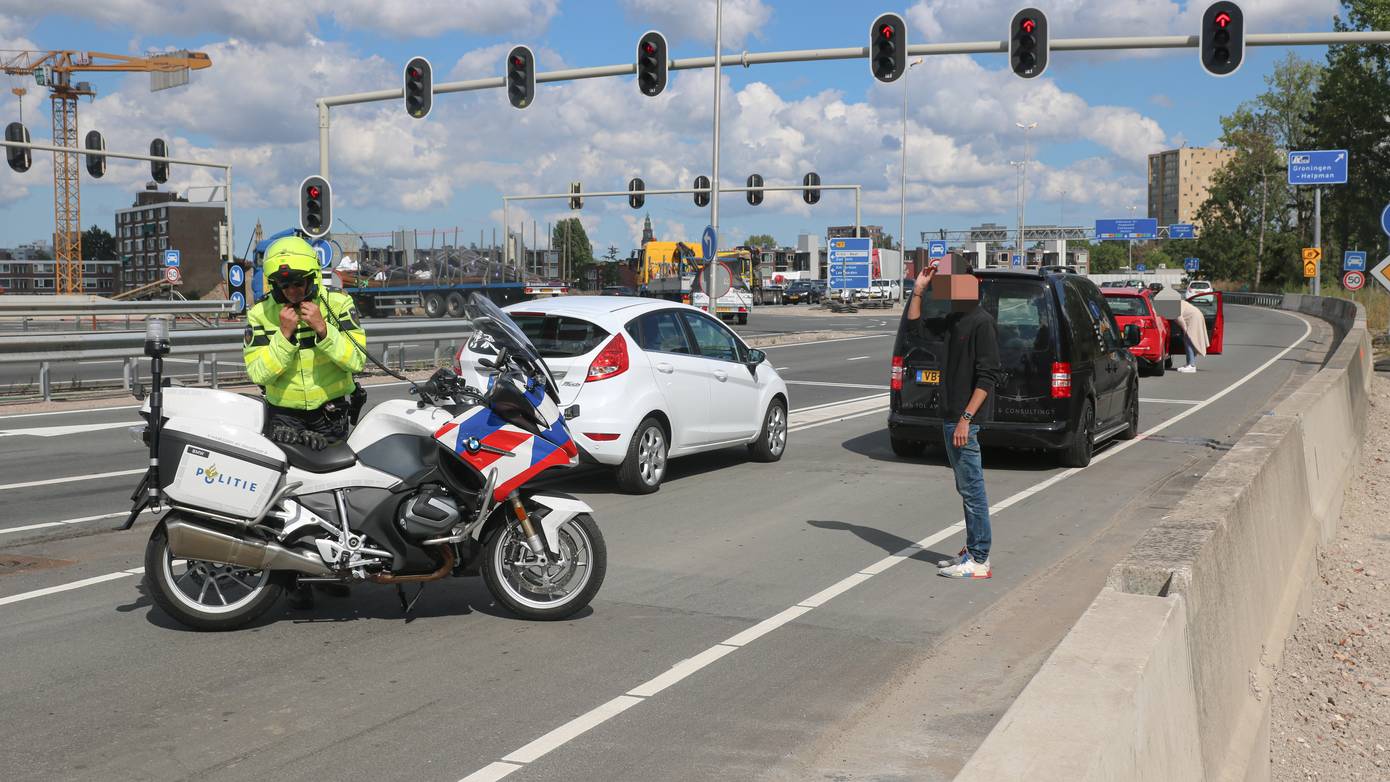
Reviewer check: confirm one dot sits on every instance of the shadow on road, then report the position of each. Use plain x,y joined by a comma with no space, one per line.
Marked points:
875,446
885,540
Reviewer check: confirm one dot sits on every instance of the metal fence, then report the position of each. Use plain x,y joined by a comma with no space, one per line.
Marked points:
1256,299
44,350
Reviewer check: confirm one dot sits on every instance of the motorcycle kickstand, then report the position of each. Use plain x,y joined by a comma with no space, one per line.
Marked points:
407,605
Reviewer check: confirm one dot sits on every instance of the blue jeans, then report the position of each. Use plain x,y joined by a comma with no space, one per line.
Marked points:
1191,351
970,484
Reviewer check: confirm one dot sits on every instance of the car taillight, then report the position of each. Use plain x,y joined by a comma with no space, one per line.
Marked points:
610,362
1061,380
896,377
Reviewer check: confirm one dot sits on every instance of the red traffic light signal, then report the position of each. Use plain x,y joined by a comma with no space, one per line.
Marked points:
1222,39
315,206
1028,43
521,77
888,48
419,87
652,64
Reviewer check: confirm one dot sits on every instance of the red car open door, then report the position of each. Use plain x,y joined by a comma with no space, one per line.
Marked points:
1213,312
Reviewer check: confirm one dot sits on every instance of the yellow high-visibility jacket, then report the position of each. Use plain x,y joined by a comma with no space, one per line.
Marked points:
304,373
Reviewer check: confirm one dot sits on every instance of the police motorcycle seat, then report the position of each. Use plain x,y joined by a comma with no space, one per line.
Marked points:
337,456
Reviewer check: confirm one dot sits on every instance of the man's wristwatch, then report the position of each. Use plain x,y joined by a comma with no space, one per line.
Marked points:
967,416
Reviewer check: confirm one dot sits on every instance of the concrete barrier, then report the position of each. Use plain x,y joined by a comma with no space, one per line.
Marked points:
1230,563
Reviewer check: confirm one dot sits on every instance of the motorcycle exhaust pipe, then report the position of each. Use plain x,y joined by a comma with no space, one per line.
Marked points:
191,541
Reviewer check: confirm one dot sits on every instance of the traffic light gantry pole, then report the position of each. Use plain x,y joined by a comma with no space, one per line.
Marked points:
105,153
747,59
508,199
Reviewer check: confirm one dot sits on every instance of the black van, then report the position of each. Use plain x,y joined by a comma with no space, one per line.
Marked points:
1069,380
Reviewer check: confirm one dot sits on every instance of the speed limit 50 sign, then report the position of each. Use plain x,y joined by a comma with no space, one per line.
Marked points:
1353,281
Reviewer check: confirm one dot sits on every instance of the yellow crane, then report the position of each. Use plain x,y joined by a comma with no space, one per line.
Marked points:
54,69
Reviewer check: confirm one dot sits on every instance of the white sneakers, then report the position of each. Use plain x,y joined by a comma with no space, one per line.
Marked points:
960,557
1189,369
966,568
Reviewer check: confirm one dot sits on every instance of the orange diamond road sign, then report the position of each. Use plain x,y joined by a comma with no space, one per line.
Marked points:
1312,254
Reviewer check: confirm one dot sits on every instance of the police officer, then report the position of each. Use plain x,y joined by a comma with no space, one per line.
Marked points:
302,346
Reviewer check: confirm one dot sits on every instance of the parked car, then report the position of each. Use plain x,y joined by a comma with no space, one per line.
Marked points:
643,380
1198,286
1070,382
617,290
1136,306
801,291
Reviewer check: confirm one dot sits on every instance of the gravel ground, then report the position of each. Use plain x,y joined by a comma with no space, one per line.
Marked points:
1331,707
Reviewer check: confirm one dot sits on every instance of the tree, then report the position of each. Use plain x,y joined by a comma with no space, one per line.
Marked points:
1108,256
885,242
760,240
98,245
572,242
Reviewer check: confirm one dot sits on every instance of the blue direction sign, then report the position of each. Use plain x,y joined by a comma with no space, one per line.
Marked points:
1182,231
1017,260
324,250
849,264
1140,228
1385,220
235,275
1354,261
1191,264
1318,167
171,258
1139,267
709,242
936,249
238,301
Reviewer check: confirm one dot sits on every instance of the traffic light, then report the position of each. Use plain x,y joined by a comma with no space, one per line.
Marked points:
635,196
521,77
576,202
159,169
1028,44
315,206
419,87
811,188
96,164
1223,38
702,190
755,197
19,159
888,47
652,64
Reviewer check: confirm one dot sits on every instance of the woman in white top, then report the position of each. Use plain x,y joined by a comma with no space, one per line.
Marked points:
1194,334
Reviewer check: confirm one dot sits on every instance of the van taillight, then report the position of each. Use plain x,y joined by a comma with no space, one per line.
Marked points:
610,362
896,378
1061,380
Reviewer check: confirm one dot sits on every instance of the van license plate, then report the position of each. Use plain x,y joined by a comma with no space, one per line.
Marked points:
928,377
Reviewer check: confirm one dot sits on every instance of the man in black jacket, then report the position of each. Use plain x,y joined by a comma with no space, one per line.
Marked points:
971,374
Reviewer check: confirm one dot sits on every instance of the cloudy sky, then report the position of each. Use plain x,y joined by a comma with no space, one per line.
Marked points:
1098,116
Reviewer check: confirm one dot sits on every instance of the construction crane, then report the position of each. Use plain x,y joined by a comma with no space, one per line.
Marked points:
54,69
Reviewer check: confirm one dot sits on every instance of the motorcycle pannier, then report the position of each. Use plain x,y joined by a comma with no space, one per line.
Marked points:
210,474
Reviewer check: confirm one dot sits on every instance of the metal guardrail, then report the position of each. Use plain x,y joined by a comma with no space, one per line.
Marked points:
206,343
31,309
1255,299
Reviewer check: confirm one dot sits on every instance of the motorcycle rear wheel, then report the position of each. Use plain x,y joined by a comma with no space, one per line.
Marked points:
553,591
208,596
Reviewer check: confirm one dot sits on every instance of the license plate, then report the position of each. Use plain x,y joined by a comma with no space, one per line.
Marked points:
928,377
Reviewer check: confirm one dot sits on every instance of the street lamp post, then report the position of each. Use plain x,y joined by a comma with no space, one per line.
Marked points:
902,213
1132,211
1023,190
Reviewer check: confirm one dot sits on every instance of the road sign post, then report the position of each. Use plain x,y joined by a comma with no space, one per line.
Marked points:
1353,261
1191,264
1311,257
1353,281
171,258
172,275
1317,167
848,261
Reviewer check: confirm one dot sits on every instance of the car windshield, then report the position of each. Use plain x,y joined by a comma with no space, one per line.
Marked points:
559,336
1127,305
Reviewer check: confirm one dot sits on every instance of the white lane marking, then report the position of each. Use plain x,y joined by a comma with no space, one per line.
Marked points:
825,384
53,590
92,410
687,667
838,411
857,358
491,772
59,431
781,369
1170,401
573,728
71,479
65,522
876,411
822,342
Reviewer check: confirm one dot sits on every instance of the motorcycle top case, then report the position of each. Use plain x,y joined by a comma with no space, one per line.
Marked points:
218,467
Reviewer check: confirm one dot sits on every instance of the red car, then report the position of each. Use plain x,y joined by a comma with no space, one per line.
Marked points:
1135,305
1214,313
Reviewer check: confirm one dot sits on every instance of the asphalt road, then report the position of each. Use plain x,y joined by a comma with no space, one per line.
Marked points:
759,621
21,380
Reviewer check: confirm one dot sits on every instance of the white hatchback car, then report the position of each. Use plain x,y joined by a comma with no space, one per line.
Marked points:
642,380
1197,287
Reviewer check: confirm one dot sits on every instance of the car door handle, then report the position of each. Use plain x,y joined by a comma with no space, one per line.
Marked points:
721,375
665,368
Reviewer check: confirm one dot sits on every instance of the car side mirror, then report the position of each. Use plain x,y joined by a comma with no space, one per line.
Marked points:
1132,335
756,357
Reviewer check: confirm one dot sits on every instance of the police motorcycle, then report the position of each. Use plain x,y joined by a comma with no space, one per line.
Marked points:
420,491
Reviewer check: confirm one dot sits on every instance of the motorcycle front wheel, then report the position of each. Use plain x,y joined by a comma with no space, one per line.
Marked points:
554,590
206,595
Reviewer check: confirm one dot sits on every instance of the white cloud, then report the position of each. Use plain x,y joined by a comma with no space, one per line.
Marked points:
686,21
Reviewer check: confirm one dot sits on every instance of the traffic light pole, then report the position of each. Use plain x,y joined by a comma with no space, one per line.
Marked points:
1317,239
508,199
714,184
226,170
748,59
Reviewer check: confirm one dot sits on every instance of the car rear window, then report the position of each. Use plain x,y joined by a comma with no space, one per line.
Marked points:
560,336
1127,305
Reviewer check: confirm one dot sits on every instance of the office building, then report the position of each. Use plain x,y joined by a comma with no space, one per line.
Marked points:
160,221
1179,180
